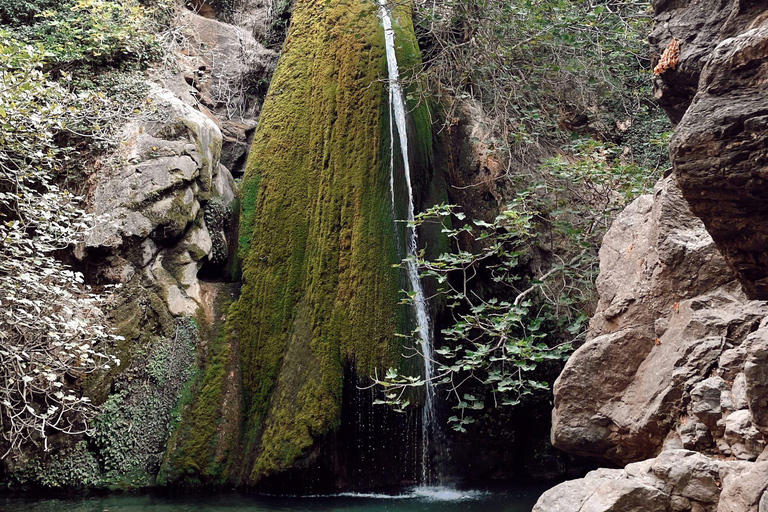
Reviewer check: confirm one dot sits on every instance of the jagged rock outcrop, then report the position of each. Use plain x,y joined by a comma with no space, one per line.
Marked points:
152,210
669,309
699,26
228,71
702,383
720,147
672,367
166,205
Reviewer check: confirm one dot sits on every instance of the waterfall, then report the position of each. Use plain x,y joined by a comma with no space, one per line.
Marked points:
397,112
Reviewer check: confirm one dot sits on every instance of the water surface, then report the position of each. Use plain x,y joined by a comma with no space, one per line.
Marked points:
508,499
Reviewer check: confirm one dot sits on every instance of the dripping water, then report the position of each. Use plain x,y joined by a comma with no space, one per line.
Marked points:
429,428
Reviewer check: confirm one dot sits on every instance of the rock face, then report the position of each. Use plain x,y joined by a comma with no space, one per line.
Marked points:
699,26
153,209
165,204
672,376
228,72
682,348
720,147
669,309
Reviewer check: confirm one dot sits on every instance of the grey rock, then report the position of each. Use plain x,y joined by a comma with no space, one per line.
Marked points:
679,504
225,186
158,196
228,65
677,480
688,474
731,362
745,440
699,25
197,242
756,377
626,496
567,497
148,251
739,392
706,400
694,435
744,489
718,150
605,491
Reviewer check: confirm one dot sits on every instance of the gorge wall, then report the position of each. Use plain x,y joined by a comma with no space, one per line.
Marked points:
165,204
672,382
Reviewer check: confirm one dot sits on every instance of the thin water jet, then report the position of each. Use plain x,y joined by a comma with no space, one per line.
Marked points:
429,429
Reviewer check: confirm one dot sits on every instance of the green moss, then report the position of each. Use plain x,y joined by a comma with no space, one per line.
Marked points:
205,430
132,429
194,442
217,216
316,231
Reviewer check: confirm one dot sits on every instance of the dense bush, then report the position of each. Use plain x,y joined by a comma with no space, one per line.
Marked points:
540,67
55,109
87,33
51,321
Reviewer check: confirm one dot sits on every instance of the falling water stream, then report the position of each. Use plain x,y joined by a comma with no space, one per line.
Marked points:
429,427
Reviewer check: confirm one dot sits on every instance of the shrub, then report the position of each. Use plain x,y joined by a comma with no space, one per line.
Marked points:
51,321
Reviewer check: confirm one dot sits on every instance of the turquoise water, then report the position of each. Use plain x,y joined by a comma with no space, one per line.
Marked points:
508,499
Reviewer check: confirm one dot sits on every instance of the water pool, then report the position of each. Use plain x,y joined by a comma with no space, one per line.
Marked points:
506,499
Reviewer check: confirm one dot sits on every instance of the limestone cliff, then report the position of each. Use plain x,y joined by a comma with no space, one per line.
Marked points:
719,147
164,203
670,372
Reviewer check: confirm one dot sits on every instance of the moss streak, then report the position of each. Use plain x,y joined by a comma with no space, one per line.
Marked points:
318,286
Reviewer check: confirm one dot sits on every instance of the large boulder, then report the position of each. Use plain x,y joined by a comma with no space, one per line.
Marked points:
702,385
676,480
152,210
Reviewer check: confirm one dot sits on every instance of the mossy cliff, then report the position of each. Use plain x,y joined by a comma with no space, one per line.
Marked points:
317,246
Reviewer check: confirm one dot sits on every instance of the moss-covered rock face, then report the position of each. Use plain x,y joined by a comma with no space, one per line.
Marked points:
317,237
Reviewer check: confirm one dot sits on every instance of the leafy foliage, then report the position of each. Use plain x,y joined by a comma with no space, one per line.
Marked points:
22,12
92,33
501,336
496,343
551,77
538,66
52,326
51,320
